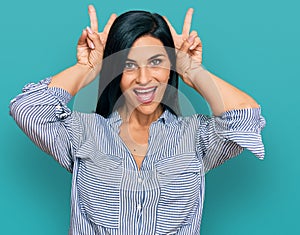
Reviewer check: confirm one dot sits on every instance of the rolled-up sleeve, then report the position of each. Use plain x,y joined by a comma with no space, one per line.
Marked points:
41,112
220,138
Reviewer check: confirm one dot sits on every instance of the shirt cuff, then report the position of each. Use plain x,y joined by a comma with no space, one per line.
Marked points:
242,127
55,96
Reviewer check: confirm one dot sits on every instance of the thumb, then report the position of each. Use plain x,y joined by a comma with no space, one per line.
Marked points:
95,39
82,39
183,57
187,43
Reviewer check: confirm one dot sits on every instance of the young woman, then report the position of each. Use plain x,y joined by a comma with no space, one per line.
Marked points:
138,166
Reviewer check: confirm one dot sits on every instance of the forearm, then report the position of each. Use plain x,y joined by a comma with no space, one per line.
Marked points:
73,78
220,95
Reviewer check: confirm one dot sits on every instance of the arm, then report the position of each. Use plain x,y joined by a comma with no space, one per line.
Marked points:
41,111
220,95
236,122
42,114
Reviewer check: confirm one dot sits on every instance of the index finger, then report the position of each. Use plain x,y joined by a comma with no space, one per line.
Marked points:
93,18
187,23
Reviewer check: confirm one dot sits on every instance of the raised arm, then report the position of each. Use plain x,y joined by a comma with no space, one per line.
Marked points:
220,95
90,49
41,110
237,121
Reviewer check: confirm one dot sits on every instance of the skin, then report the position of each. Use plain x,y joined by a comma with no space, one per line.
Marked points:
220,95
147,67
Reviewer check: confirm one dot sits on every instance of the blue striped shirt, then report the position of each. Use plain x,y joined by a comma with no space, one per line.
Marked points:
109,194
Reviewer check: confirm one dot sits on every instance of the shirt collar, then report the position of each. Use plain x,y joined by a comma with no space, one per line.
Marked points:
167,117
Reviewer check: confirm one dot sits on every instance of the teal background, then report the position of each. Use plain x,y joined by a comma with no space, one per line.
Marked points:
251,44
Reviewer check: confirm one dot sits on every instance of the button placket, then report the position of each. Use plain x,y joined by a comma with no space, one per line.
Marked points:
140,180
140,191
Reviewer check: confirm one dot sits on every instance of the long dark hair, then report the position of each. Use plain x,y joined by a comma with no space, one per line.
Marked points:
125,30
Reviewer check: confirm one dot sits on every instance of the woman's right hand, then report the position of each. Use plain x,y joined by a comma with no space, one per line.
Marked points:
90,50
91,43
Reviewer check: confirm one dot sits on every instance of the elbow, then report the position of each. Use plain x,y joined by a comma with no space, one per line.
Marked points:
20,110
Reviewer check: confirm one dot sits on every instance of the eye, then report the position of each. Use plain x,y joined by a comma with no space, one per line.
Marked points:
155,62
130,66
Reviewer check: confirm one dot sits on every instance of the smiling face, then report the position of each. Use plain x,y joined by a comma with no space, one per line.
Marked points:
145,75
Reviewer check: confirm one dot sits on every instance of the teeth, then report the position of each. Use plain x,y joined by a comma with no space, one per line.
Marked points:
145,90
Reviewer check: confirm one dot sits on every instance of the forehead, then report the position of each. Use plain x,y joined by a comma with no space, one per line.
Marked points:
146,47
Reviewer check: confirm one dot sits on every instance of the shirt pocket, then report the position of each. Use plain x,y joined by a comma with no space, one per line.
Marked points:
180,179
98,181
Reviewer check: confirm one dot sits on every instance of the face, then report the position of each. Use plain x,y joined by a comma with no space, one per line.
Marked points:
145,75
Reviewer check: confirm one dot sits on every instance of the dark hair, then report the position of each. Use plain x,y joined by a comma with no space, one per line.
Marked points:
125,30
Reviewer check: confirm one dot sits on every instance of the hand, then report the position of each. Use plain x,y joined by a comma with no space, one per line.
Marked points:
91,43
189,49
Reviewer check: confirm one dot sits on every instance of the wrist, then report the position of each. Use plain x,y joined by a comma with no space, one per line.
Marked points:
86,73
198,74
83,68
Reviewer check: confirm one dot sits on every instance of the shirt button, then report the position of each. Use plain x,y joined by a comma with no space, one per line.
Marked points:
140,180
139,207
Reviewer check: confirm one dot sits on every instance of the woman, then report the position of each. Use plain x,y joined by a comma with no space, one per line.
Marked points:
138,166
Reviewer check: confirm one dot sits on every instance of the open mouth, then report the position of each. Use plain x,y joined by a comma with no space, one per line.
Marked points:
145,95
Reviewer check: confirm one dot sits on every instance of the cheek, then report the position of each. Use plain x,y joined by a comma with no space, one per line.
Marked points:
124,83
163,75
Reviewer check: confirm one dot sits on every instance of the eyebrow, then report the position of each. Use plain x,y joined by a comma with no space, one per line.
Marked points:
151,58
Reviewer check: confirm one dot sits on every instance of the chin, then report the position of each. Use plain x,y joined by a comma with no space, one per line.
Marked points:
149,109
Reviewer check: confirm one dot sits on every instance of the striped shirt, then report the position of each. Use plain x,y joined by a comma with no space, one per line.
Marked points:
110,195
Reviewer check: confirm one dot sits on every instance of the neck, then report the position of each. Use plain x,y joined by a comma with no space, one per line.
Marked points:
137,118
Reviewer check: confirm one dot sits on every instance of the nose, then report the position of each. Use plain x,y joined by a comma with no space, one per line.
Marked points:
144,76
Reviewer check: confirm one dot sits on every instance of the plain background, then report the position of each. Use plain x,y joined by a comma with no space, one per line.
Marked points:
251,44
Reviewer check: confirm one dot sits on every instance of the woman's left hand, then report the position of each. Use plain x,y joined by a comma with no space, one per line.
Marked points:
188,48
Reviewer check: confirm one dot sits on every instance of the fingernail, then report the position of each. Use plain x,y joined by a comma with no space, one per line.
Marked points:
190,39
89,30
92,45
